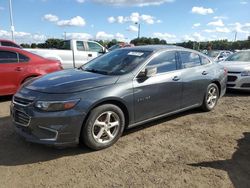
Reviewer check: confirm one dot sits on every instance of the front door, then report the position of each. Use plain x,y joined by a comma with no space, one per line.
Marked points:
159,94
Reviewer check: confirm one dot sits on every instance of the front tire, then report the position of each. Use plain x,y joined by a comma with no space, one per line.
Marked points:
103,127
211,98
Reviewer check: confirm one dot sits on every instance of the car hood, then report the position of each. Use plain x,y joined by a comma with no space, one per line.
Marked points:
70,81
237,66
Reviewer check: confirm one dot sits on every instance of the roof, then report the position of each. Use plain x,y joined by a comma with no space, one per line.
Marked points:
155,47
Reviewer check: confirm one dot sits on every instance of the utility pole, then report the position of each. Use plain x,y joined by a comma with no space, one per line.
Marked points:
235,36
12,28
65,35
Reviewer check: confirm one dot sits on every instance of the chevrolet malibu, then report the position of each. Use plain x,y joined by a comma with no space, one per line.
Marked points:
121,89
238,66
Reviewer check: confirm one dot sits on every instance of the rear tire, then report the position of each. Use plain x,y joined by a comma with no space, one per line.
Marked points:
211,98
104,126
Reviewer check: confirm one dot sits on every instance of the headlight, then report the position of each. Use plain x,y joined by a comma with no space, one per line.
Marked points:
52,106
245,73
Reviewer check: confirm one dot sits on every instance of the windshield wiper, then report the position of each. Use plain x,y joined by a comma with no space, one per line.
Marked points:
96,71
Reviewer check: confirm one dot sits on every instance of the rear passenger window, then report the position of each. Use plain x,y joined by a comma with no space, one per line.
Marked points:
164,62
23,58
8,57
80,46
189,59
204,60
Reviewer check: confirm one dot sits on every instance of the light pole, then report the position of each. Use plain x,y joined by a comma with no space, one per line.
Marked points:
12,28
139,29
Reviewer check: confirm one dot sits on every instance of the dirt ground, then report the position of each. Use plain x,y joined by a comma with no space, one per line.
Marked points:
192,149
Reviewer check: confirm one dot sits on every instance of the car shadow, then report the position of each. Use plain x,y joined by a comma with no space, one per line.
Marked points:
238,167
237,93
16,151
5,98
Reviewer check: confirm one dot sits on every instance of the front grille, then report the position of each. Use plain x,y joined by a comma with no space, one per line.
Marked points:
231,78
245,85
230,85
21,118
22,101
231,72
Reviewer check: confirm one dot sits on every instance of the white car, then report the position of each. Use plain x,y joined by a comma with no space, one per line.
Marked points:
218,55
238,66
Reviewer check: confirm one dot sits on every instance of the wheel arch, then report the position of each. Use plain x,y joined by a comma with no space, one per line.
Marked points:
218,85
114,101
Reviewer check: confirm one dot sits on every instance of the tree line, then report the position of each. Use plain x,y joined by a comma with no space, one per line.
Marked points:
214,45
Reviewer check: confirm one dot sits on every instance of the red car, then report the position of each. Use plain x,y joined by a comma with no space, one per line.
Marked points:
18,66
9,43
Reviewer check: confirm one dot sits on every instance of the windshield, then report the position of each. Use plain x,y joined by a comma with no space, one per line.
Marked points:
117,62
240,56
213,53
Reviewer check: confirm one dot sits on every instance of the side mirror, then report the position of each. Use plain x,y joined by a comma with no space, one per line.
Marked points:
148,72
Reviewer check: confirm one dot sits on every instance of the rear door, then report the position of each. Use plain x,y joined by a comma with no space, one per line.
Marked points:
196,77
11,72
161,93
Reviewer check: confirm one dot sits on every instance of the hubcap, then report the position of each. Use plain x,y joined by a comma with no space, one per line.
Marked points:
106,127
212,97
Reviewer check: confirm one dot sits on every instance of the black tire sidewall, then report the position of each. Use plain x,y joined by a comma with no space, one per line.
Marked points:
86,134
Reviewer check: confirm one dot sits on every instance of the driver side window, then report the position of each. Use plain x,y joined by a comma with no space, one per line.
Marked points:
165,62
93,47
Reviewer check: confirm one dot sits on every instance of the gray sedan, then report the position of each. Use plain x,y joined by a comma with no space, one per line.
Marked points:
121,89
238,66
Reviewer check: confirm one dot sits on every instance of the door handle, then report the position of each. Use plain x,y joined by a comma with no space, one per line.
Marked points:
18,69
89,55
176,78
204,73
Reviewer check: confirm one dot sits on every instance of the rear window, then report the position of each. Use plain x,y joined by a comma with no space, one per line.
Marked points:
8,57
189,59
10,44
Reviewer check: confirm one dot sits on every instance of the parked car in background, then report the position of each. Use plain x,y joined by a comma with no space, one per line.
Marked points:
18,66
238,66
218,55
73,53
120,45
9,43
121,89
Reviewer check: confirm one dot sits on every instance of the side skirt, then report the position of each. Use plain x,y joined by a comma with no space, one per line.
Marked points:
163,115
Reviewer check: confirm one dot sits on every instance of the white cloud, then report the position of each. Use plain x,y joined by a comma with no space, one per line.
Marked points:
138,3
218,30
218,23
80,1
148,19
111,19
196,25
132,28
134,17
202,10
101,35
23,37
220,17
50,17
194,37
75,21
164,36
243,2
79,36
241,28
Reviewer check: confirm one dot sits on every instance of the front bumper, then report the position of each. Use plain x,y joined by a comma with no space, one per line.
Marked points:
50,128
236,81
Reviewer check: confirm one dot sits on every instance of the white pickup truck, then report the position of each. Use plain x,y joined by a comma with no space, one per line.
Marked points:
73,52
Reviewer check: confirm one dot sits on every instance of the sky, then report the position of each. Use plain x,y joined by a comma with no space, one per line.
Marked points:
171,20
